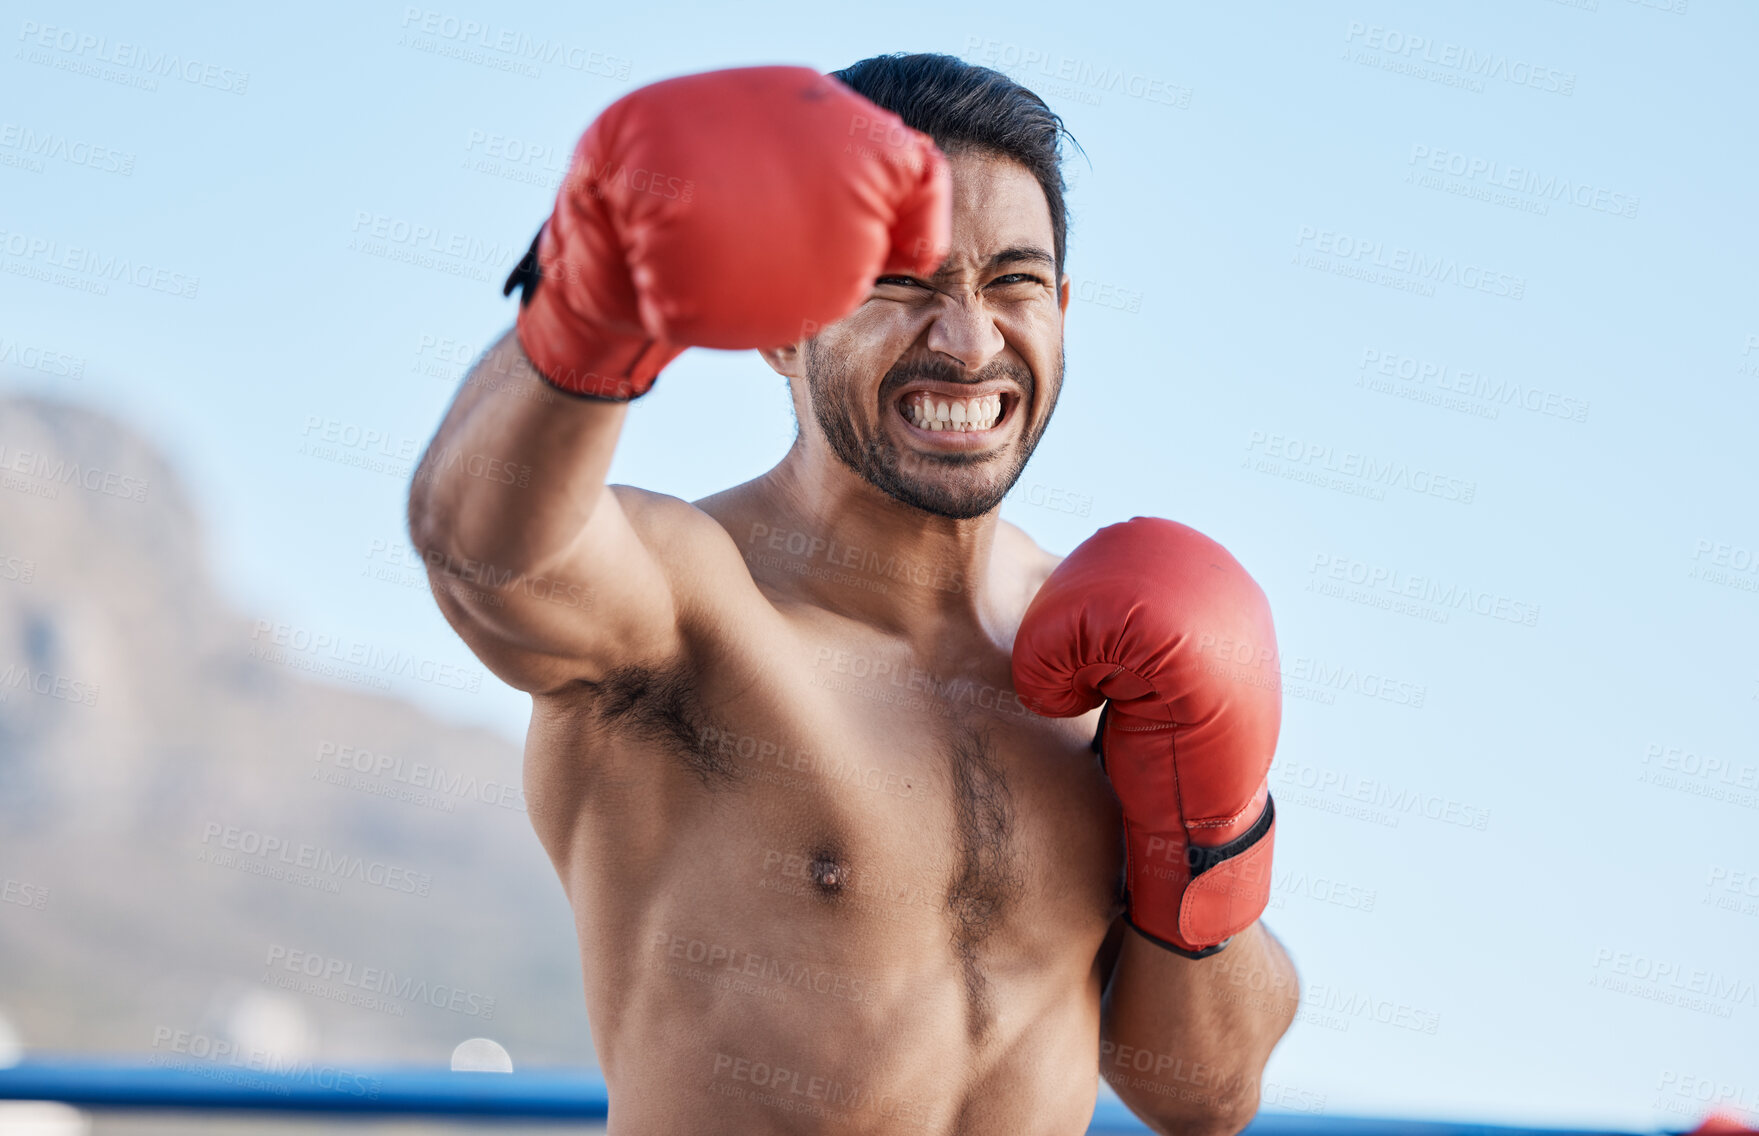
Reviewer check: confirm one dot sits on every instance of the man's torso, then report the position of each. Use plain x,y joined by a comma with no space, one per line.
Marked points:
822,883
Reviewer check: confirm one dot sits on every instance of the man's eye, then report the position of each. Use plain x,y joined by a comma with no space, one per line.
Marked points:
901,281
1018,278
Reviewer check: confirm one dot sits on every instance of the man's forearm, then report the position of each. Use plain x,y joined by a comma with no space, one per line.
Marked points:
516,467
1184,1042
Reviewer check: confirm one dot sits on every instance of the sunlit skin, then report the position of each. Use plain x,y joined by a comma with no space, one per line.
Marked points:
827,875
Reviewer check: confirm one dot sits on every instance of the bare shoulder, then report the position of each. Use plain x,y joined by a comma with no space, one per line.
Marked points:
693,549
1028,564
666,523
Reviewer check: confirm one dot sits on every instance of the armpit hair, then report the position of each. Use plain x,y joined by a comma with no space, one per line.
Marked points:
660,706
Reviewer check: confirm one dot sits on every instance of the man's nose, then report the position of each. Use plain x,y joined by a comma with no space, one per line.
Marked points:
965,331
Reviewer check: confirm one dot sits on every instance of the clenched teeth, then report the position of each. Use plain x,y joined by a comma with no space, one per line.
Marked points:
937,412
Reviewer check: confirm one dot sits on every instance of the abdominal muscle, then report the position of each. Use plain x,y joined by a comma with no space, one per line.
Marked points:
728,993
751,1027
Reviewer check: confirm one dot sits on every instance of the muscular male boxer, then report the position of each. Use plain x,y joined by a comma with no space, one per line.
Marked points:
816,757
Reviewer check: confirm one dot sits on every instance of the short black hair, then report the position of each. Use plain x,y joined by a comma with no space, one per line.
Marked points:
964,106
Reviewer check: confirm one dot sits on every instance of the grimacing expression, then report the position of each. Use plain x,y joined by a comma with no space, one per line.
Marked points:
936,390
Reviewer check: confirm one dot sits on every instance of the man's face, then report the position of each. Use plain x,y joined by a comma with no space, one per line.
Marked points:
937,390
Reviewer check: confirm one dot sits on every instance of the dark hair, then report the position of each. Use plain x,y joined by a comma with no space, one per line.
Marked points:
963,106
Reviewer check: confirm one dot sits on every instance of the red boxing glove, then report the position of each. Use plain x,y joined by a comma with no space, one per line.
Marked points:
732,209
1158,619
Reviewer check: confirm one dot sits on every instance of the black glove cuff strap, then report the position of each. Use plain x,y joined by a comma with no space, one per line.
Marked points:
1202,859
527,274
581,396
1174,947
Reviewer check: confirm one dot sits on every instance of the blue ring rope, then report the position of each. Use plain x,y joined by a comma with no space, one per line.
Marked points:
535,1094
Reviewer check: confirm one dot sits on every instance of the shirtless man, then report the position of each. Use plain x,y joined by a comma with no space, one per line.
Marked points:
830,870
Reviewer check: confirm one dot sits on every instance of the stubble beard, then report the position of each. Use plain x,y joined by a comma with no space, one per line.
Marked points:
871,455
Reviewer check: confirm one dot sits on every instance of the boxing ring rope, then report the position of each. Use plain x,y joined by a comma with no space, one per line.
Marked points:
530,1095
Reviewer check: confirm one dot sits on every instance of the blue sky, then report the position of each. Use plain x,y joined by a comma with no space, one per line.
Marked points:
1444,321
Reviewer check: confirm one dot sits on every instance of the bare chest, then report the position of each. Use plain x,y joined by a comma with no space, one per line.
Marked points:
876,807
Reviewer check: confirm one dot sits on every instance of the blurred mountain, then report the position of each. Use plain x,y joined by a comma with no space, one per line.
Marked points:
198,835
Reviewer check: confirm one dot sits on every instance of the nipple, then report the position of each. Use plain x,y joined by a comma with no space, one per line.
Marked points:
827,873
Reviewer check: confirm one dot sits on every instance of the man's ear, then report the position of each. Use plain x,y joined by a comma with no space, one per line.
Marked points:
789,360
1063,295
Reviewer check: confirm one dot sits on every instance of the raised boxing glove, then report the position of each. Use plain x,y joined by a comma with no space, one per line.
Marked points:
731,209
1162,624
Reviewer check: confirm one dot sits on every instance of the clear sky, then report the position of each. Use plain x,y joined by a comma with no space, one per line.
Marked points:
1442,319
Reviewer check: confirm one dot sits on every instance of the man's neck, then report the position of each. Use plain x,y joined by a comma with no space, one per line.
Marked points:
856,551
